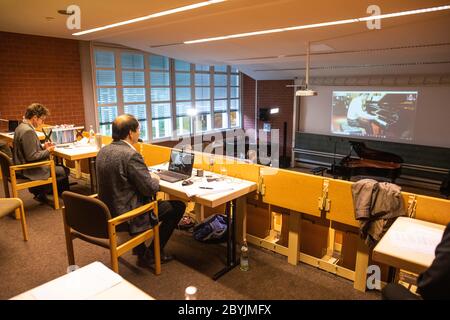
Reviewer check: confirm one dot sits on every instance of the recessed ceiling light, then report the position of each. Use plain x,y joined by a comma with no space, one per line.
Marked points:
151,16
322,24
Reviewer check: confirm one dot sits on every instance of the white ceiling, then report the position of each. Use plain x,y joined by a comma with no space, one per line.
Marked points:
417,44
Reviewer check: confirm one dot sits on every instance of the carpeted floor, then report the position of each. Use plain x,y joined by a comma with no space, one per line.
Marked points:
25,265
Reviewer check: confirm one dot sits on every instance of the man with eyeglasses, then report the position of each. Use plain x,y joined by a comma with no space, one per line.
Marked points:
28,149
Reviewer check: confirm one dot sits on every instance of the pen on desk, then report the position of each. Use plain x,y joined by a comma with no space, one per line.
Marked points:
206,188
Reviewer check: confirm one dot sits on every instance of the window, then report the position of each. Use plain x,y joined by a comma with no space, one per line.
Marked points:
183,97
203,99
220,97
133,83
106,90
160,97
174,94
235,120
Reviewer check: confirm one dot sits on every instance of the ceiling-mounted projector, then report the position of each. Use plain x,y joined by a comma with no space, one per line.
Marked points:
305,93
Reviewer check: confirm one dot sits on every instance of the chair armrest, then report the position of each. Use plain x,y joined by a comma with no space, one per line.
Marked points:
95,195
134,213
31,165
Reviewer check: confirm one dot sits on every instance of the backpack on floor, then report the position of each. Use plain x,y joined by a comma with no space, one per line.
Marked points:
212,230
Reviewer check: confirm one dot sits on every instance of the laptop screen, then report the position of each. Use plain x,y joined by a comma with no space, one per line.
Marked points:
181,162
61,135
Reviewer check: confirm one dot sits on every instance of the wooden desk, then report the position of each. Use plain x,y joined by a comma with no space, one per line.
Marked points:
92,282
78,153
235,190
9,136
409,244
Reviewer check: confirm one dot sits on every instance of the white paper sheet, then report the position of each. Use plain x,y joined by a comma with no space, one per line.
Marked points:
213,188
85,283
422,239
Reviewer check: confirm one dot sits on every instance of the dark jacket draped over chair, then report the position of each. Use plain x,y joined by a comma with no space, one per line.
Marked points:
377,205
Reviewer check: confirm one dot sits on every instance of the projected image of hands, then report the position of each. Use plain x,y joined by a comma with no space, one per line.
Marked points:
374,114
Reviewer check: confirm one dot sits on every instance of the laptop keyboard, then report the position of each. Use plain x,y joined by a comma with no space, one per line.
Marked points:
171,174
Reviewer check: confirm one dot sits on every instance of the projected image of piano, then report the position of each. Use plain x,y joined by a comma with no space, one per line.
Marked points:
384,114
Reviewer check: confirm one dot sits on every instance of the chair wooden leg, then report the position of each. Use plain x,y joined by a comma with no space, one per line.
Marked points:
23,222
55,187
69,243
6,187
55,197
113,248
15,194
157,250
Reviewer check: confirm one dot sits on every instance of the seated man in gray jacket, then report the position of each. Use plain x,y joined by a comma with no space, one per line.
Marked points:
124,183
28,149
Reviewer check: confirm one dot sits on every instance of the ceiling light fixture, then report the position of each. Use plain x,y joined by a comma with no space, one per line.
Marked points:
151,16
274,110
323,24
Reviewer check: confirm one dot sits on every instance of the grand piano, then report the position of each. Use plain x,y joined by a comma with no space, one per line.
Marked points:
371,162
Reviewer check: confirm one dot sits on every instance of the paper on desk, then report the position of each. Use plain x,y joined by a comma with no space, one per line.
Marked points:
217,187
85,283
423,240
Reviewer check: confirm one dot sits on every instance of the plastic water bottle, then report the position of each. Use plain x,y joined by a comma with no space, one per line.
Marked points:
190,293
244,257
91,135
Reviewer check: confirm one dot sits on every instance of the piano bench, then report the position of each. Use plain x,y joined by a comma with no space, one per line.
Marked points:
319,170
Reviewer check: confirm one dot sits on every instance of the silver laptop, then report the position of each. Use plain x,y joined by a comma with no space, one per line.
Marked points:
61,136
180,166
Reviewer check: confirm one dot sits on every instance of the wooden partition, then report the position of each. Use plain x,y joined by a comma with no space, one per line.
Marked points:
296,195
292,190
106,140
432,210
154,154
341,203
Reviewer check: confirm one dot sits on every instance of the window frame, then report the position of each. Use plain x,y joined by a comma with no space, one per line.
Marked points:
120,104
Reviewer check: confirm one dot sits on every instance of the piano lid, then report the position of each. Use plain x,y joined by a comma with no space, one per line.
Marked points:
366,153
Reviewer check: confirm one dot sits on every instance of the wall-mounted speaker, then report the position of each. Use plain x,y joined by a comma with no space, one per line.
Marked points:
263,114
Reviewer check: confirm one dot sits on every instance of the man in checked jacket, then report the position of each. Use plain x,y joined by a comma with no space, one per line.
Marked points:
124,184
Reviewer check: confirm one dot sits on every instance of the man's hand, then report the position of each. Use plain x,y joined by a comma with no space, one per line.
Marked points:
49,146
155,176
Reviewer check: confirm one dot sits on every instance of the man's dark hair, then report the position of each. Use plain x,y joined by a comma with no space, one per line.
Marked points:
122,126
36,109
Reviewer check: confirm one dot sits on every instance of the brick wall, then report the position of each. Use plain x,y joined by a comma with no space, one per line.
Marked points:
275,94
40,69
271,94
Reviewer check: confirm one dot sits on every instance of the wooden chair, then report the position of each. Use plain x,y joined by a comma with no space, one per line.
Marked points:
9,172
14,204
89,219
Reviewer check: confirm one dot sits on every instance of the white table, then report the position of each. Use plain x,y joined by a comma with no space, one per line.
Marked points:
76,153
92,282
224,192
9,136
409,244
